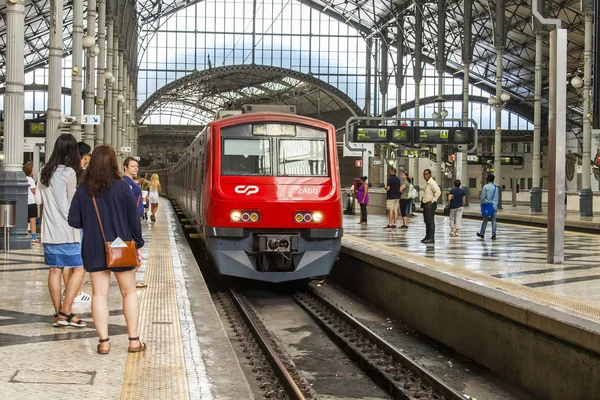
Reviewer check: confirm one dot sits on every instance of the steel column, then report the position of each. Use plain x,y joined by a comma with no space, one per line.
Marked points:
535,194
556,146
586,197
101,69
90,74
76,68
54,76
13,184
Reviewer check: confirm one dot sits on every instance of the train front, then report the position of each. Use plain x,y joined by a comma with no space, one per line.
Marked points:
273,211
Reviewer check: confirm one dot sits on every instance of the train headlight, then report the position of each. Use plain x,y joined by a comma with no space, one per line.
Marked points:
317,217
310,217
236,216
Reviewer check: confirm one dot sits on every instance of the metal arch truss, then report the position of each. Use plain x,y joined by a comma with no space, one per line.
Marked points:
199,95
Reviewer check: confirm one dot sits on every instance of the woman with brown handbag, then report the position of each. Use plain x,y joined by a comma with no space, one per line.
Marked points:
105,208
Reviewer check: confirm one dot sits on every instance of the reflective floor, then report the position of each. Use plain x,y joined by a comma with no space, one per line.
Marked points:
518,255
189,355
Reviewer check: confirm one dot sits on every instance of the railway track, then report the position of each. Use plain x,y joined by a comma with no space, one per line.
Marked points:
392,371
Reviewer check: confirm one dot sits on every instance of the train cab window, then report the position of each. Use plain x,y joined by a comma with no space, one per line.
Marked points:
246,157
302,157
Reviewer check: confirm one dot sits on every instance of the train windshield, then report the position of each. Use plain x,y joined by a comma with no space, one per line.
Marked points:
246,157
302,157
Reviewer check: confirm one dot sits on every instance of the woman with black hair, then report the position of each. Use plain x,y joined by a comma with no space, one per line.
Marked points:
62,249
363,199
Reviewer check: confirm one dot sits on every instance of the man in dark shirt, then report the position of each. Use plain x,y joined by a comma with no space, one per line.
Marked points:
130,170
393,199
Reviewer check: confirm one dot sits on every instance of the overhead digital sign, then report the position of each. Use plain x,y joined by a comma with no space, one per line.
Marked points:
445,135
383,134
413,153
370,134
433,136
504,160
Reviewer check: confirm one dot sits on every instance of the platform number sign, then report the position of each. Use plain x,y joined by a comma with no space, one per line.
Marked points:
358,163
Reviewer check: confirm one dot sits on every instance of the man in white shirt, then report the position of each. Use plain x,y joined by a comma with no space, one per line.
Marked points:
431,192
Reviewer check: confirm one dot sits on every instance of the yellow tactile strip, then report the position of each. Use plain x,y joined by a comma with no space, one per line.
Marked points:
570,305
158,373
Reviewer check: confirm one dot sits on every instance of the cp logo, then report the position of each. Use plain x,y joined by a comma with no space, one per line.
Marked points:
248,190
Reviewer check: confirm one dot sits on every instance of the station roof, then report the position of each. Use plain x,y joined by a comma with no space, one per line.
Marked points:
373,17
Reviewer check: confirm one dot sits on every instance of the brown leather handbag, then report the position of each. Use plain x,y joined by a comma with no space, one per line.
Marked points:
117,256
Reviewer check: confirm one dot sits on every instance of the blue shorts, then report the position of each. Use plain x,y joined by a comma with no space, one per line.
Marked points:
64,255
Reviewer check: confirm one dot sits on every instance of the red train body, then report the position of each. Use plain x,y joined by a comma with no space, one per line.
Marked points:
263,190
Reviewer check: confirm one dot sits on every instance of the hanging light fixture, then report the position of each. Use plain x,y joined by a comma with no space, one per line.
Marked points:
435,115
444,113
88,41
108,75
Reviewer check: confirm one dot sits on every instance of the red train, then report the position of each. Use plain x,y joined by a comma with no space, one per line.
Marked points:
263,192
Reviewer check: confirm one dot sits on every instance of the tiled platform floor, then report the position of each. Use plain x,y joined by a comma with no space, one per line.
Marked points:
189,355
517,256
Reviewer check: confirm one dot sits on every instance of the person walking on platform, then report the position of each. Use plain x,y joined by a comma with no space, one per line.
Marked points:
363,199
431,192
104,198
404,198
62,248
393,199
153,190
457,200
489,198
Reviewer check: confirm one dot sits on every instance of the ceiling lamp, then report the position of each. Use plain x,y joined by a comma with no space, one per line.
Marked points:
88,41
107,75
505,97
577,82
444,113
435,115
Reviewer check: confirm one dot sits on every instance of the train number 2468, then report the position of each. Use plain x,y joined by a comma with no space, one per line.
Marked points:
313,191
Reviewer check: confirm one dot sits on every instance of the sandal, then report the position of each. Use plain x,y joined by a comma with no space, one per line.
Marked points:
103,351
137,349
68,320
55,322
141,285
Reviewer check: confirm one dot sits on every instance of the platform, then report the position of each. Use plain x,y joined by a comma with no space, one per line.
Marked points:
523,215
189,355
517,256
497,302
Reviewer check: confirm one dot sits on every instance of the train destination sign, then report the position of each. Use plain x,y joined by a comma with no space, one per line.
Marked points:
433,136
383,134
412,153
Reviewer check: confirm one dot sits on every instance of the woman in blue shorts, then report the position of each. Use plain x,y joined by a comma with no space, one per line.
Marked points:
62,249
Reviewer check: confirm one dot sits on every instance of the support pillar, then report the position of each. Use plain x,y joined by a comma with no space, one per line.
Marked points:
115,92
100,80
535,195
498,132
109,82
586,197
90,75
54,77
13,183
557,124
77,68
462,156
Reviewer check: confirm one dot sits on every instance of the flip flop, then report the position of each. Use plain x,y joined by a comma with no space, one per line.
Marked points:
141,285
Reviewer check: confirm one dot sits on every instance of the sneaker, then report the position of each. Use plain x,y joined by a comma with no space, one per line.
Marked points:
493,237
36,241
480,235
82,297
393,226
387,227
404,227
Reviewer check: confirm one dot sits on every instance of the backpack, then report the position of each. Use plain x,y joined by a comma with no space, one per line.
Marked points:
412,192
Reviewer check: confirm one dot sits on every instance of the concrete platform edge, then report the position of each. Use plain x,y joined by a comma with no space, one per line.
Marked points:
549,352
226,379
571,328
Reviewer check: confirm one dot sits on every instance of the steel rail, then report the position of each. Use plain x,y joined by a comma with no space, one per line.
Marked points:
426,377
284,376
